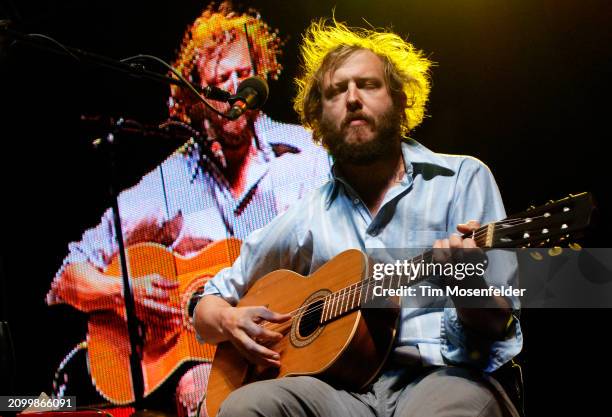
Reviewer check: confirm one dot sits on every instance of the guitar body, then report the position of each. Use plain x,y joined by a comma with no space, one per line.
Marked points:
347,352
164,349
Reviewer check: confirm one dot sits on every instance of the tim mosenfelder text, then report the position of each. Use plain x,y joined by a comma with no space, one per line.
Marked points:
394,279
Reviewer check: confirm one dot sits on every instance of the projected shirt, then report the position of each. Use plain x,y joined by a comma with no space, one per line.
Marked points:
186,198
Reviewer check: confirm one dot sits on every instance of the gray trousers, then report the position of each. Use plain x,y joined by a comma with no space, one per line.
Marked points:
433,392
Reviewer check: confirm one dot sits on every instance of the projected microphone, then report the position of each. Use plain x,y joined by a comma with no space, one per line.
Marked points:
215,93
252,94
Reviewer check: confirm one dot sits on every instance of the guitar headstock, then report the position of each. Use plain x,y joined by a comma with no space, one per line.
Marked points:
553,223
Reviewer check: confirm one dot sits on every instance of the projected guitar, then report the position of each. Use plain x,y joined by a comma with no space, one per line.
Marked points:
164,349
331,337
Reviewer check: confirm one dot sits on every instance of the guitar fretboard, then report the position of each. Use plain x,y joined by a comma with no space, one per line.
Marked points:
361,293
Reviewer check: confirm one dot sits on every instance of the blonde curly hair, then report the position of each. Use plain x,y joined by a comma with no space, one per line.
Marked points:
215,27
325,46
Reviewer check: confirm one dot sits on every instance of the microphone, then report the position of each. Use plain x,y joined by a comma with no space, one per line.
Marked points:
215,93
252,94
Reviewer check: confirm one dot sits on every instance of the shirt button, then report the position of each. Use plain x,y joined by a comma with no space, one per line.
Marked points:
356,201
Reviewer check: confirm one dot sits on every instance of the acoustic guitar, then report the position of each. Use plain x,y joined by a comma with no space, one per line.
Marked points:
330,335
164,349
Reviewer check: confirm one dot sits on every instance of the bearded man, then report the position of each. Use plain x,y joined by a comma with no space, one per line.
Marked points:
361,93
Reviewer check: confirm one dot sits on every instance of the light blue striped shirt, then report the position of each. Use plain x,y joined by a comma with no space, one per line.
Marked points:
436,194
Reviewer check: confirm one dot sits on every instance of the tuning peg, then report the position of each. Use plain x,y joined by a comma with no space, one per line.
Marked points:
575,246
555,251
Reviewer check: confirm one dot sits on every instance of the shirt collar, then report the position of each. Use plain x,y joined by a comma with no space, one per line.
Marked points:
415,153
412,152
265,153
262,126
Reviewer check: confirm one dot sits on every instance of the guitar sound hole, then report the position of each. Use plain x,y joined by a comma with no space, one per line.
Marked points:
193,301
309,322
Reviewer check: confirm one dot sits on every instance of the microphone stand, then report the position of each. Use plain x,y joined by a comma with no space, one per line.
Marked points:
107,144
136,331
134,326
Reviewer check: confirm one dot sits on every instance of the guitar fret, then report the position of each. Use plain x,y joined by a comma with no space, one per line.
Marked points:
324,312
360,292
347,296
337,302
348,299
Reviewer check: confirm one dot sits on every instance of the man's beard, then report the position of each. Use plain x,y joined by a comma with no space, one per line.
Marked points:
386,132
231,134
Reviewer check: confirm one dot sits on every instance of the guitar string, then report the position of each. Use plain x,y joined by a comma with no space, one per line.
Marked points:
340,299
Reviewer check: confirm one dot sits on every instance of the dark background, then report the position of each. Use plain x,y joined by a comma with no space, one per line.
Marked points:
522,85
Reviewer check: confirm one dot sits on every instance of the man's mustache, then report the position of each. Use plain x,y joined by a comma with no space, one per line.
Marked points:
357,116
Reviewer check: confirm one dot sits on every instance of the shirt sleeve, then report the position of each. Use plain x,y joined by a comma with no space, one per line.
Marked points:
272,247
144,218
477,197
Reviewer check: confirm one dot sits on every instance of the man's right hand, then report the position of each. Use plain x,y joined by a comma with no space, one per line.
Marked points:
89,290
243,327
218,321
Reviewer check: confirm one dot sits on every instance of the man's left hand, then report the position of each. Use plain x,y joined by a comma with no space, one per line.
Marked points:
491,318
456,241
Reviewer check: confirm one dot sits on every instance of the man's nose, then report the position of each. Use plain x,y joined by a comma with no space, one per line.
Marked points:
353,100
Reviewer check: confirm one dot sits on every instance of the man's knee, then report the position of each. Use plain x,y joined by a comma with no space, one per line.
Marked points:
248,400
450,392
272,398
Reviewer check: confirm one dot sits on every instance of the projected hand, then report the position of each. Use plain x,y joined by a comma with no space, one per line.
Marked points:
153,301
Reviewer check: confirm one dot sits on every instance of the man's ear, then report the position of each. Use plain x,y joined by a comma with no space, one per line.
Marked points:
401,102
